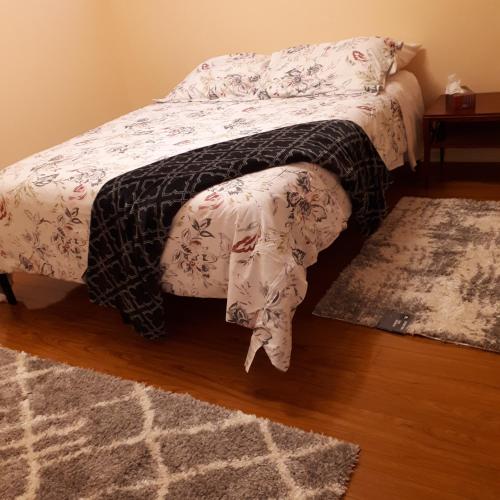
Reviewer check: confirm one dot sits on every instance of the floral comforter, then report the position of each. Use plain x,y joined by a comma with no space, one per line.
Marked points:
246,239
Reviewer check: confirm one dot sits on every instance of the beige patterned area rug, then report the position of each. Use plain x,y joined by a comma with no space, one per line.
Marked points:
72,433
432,269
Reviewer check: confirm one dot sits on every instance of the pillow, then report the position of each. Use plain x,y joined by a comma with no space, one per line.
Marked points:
350,66
404,53
232,76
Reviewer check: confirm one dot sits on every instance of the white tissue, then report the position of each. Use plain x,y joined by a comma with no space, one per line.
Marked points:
454,85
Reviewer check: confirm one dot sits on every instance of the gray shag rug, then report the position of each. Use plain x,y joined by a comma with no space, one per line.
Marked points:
71,433
432,269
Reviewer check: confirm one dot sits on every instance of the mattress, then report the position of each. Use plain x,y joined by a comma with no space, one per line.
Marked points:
248,240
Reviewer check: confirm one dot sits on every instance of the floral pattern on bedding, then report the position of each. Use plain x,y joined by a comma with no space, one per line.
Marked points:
251,240
46,200
355,65
225,77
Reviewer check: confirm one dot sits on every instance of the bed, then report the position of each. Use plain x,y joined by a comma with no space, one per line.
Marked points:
248,240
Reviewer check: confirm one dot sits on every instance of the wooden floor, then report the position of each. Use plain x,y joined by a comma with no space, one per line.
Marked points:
426,414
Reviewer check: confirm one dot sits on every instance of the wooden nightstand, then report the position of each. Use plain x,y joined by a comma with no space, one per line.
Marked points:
478,128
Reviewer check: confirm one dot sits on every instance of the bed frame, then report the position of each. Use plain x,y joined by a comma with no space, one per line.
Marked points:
7,289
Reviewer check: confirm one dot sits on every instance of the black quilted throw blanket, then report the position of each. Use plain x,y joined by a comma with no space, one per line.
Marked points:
132,213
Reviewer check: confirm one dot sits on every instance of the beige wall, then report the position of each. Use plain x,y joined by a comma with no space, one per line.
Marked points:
159,41
68,65
56,73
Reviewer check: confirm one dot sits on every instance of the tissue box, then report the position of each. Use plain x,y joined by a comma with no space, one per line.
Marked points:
464,102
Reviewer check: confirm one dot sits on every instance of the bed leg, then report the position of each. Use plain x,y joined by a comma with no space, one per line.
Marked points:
7,289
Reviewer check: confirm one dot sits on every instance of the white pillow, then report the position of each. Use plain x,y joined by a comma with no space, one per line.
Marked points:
404,53
232,76
349,66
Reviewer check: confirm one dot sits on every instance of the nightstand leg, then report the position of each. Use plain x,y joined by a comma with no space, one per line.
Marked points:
441,163
427,151
7,289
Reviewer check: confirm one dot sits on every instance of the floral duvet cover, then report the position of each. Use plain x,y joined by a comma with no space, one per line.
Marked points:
246,239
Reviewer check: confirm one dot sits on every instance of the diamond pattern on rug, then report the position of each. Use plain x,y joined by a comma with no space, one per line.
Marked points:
72,433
